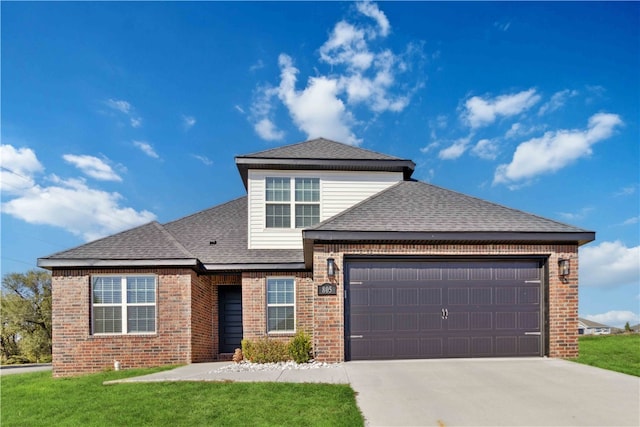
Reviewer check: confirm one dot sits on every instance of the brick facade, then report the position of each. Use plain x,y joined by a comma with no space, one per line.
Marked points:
187,308
561,307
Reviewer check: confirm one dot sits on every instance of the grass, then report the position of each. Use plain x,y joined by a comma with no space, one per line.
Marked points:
619,353
36,399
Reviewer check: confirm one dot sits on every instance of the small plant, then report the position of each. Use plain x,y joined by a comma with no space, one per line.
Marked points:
237,356
300,347
265,350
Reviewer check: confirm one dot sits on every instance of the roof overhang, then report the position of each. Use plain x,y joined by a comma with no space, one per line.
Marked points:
50,263
293,266
393,165
310,237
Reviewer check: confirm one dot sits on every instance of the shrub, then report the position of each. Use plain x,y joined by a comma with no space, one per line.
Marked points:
265,350
300,347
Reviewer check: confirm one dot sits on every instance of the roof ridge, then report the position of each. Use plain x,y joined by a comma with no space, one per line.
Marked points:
174,240
284,147
204,210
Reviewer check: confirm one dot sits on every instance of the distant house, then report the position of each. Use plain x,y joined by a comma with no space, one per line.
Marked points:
333,240
589,327
635,328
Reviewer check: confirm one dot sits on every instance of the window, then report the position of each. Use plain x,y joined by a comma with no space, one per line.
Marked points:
280,305
279,206
123,304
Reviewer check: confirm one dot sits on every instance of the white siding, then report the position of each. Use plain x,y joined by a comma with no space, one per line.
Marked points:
338,192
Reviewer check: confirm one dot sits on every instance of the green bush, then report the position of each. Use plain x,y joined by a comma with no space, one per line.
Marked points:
265,350
300,347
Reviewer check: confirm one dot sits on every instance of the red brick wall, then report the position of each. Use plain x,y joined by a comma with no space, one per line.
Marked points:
254,303
562,315
76,351
203,348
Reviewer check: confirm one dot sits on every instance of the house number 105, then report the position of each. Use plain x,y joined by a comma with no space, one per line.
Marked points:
327,289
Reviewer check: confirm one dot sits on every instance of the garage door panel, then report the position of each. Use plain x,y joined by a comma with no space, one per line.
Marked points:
506,320
482,346
459,347
529,321
481,321
428,309
458,322
407,296
430,296
381,297
458,296
506,346
407,322
431,322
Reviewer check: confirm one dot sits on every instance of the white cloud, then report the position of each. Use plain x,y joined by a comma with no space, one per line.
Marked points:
486,149
316,110
502,26
268,131
125,108
119,105
77,208
258,65
93,167
555,150
204,159
575,216
609,264
146,148
631,221
371,10
239,109
359,76
627,191
188,122
456,149
557,101
18,167
480,112
616,318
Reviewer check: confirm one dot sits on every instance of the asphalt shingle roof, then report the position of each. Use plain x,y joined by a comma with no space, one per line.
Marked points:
413,206
320,148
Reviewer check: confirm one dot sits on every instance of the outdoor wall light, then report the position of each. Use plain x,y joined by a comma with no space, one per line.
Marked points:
331,268
564,269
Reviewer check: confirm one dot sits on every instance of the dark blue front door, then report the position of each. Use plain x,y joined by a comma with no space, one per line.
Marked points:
230,317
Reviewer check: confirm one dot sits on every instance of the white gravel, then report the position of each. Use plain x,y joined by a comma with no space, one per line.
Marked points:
245,366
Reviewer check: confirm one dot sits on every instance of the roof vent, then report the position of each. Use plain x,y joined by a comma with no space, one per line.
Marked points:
212,242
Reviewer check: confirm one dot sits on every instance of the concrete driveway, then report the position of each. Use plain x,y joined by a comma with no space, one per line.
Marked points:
460,392
493,392
23,369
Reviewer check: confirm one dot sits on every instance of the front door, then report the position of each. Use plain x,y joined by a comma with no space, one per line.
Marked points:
230,317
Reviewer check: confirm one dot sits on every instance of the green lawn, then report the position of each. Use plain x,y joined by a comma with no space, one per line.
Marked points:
38,400
614,352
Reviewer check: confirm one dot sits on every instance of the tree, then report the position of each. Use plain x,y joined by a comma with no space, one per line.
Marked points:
627,327
25,314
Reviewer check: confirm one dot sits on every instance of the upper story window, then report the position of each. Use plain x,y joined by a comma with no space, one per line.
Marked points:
123,304
279,204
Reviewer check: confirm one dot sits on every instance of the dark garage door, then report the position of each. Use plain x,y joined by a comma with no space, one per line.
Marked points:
436,309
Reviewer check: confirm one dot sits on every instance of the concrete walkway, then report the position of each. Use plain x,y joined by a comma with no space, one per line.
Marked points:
462,392
23,369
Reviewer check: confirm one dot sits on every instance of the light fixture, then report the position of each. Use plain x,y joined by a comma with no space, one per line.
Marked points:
331,268
564,268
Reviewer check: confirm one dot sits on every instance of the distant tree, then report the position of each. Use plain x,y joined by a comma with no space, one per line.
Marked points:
627,327
25,313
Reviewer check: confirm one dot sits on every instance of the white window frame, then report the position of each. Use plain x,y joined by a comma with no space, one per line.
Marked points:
276,305
292,202
124,305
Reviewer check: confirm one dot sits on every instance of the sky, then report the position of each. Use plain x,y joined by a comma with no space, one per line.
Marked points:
114,114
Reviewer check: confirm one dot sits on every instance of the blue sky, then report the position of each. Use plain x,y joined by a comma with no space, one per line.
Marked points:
115,114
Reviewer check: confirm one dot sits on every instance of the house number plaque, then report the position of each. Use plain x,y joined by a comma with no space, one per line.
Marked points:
327,289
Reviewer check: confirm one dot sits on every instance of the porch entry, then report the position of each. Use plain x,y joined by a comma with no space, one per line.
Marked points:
230,318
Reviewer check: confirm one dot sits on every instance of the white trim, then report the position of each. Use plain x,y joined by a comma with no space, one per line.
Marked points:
123,304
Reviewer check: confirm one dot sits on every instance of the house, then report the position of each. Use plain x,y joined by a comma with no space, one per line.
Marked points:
589,327
332,239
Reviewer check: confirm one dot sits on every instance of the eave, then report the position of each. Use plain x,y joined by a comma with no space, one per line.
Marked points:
310,237
51,263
